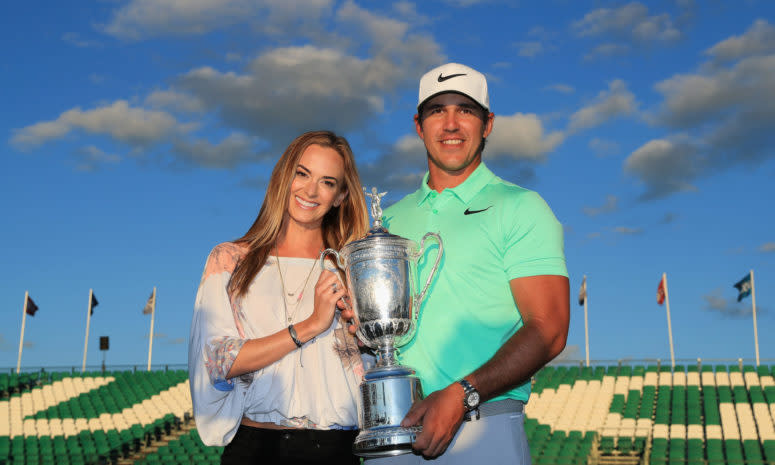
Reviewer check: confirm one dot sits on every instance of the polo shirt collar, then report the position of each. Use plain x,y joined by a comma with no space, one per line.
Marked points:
466,190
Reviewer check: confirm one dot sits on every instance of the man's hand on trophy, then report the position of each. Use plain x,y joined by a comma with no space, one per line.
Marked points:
440,415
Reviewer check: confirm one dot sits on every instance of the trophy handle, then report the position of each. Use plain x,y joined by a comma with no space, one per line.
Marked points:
326,252
419,297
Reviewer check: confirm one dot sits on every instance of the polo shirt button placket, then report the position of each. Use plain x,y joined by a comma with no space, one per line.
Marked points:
432,220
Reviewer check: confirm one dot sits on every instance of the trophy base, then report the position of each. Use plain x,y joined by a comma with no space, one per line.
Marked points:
385,442
387,394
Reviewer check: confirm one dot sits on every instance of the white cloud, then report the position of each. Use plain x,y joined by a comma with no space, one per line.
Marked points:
608,104
141,19
630,21
173,100
39,133
607,50
131,125
627,230
92,157
668,218
695,99
408,10
521,136
529,49
603,147
393,42
234,149
757,40
665,166
383,30
715,302
561,88
233,57
466,3
94,154
767,247
610,205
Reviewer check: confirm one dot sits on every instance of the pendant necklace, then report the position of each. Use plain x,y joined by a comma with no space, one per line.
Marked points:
299,291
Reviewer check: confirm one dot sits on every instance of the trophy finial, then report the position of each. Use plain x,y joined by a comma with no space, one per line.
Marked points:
376,209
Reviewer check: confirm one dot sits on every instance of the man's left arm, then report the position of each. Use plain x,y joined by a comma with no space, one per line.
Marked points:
544,303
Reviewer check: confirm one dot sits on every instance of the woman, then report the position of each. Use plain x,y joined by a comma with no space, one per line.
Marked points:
274,372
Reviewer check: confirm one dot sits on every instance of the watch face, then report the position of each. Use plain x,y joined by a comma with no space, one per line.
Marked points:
473,399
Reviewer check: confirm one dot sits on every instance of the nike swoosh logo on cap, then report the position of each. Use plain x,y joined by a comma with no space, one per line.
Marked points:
471,212
443,78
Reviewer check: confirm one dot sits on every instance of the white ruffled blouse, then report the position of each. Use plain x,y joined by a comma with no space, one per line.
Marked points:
321,394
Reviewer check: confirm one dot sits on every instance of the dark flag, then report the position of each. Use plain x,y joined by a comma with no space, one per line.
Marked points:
661,291
583,291
31,307
743,287
148,309
94,303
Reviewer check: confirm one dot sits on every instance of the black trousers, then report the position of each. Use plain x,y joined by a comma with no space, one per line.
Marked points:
290,446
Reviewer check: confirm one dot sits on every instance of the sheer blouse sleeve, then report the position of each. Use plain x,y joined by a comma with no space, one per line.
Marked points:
214,343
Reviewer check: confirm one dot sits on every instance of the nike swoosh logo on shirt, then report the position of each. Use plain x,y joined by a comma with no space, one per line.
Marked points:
471,212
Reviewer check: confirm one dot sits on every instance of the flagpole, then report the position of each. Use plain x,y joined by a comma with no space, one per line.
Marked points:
669,326
586,324
21,337
755,330
153,313
86,340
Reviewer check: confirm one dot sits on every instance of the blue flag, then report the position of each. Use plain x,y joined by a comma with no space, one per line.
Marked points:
743,287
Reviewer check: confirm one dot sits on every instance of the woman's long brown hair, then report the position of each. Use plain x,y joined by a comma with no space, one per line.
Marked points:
340,225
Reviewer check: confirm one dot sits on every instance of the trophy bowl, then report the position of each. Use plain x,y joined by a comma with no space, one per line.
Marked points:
381,274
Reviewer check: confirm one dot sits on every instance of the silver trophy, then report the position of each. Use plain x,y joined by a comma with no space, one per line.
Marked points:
381,272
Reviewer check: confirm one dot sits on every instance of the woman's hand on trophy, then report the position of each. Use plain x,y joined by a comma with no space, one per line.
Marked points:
348,315
328,292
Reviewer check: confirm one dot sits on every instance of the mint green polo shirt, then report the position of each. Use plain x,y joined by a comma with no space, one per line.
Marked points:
493,231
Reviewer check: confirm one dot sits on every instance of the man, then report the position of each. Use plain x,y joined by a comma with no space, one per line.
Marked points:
498,308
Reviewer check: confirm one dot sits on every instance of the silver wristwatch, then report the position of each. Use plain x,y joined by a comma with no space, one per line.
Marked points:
471,397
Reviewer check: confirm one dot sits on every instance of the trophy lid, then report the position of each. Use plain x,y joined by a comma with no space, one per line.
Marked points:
378,235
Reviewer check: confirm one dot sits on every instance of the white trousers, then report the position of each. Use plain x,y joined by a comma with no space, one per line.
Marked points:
491,440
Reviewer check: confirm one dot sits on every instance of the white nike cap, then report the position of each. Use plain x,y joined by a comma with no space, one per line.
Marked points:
454,77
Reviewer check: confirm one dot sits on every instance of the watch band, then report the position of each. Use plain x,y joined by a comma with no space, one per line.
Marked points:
467,389
294,336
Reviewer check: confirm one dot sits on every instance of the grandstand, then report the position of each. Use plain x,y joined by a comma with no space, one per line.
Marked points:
617,414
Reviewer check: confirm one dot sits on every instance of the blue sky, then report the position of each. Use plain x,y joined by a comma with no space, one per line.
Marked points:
139,134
